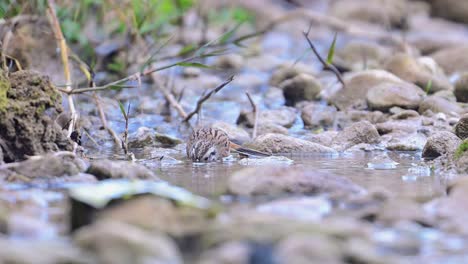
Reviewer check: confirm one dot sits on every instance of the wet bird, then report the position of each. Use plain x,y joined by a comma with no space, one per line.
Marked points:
207,144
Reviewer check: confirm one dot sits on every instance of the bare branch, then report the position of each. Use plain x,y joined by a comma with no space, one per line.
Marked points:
255,111
169,97
206,97
326,65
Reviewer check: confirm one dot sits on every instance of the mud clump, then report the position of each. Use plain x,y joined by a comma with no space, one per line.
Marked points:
28,103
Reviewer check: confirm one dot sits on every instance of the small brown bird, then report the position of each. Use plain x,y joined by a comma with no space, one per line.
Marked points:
208,144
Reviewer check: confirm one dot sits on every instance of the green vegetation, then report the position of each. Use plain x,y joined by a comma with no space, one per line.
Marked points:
461,149
4,87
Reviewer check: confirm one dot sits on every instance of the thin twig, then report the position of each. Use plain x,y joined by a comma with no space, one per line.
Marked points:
255,111
61,43
206,97
169,97
125,135
103,118
326,65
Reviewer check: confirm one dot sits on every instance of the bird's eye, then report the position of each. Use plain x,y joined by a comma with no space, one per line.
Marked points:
213,153
206,158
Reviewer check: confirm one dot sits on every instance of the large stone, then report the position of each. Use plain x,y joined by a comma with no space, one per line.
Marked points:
302,249
28,106
234,132
360,55
108,169
274,180
461,128
387,13
116,242
303,87
387,95
437,104
278,143
285,116
461,88
318,115
451,59
145,136
456,10
283,73
357,133
424,72
358,84
440,143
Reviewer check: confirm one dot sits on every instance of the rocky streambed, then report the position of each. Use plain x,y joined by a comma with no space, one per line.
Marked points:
367,170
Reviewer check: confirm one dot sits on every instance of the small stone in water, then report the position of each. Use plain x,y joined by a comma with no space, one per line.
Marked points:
382,162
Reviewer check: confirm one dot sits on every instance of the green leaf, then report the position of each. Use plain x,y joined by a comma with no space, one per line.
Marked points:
228,35
331,51
122,109
428,87
186,50
193,64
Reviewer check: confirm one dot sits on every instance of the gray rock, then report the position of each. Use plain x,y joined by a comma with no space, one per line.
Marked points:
358,84
357,133
440,143
108,169
278,143
268,127
461,88
437,104
302,87
387,95
302,248
324,138
461,128
456,10
382,12
281,74
285,116
145,136
419,71
118,242
273,180
317,115
450,59
360,55
230,61
52,165
232,252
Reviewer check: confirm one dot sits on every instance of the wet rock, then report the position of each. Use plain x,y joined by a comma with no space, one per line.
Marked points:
461,88
317,115
233,252
27,100
234,132
285,116
302,248
358,84
450,59
456,10
411,142
405,126
283,73
437,104
275,180
49,166
405,114
278,143
116,242
419,71
461,128
324,138
108,169
372,11
387,95
440,143
357,133
230,61
145,136
160,215
302,87
302,208
359,55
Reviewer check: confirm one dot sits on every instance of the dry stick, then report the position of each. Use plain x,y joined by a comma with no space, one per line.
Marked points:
125,135
255,111
206,97
64,55
169,97
326,65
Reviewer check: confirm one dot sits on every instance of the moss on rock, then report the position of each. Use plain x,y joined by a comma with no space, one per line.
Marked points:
4,88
